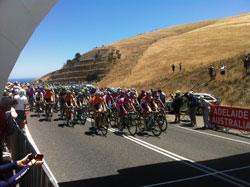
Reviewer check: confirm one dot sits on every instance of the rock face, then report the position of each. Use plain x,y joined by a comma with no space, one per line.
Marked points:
92,65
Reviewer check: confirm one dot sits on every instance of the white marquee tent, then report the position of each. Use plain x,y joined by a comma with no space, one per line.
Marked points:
18,20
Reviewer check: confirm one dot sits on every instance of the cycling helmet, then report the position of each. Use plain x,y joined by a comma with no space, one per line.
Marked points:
178,92
98,93
191,93
127,95
22,92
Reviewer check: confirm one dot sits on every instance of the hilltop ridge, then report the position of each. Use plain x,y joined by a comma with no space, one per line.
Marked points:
145,60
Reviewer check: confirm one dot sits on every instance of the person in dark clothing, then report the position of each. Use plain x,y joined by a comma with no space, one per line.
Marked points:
141,95
177,103
173,67
193,104
211,71
25,164
180,66
246,62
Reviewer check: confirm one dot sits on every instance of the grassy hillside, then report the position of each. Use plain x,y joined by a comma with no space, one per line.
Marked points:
147,59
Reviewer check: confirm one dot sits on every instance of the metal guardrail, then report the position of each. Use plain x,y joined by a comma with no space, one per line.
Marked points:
19,146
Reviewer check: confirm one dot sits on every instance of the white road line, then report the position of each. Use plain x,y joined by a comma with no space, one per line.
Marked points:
217,136
196,177
27,132
184,160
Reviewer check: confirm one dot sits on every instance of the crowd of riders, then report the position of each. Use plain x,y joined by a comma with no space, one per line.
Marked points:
72,100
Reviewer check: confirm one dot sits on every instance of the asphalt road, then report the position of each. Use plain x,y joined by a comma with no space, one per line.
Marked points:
183,156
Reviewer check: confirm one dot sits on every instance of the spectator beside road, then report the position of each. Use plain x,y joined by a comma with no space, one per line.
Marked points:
222,69
204,104
5,121
25,164
20,108
177,103
193,104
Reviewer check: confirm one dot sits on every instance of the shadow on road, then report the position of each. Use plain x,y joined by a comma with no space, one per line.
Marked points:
169,171
42,120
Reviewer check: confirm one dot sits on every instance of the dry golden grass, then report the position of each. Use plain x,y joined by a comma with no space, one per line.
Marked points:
147,59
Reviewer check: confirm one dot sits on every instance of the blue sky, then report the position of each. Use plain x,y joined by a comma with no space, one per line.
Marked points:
80,25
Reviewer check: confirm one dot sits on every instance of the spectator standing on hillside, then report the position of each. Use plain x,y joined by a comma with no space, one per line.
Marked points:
20,108
246,61
176,105
173,67
204,104
193,104
180,66
222,69
211,71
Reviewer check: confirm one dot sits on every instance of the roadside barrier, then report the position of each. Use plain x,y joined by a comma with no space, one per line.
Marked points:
230,117
20,145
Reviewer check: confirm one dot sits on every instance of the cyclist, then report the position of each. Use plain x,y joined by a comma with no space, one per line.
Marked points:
49,98
125,105
39,99
133,98
158,101
142,94
97,106
109,100
31,93
162,96
69,102
62,93
147,105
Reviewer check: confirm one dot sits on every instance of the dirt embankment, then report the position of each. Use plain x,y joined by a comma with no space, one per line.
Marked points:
144,61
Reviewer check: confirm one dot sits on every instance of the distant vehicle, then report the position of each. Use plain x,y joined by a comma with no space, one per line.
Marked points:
209,97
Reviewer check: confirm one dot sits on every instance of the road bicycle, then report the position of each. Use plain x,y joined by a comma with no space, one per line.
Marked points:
152,124
162,120
112,116
39,108
129,122
68,114
48,112
102,123
80,115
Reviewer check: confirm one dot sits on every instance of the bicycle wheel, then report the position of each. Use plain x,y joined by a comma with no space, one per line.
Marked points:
140,125
105,126
163,123
83,117
132,127
113,118
155,128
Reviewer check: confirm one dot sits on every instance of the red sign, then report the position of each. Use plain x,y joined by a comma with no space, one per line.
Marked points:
235,118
